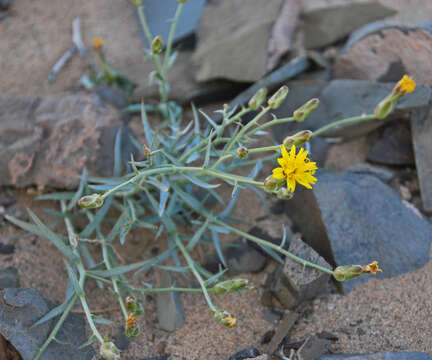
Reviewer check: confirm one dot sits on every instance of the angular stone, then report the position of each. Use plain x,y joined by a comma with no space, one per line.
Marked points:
421,127
232,34
21,308
282,330
356,219
326,21
382,173
394,147
245,354
293,283
169,307
385,53
48,142
312,348
9,278
341,99
379,356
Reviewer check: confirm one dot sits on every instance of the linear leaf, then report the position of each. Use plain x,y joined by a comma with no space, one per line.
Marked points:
272,253
217,246
199,182
147,129
117,153
197,236
97,219
80,190
211,122
74,280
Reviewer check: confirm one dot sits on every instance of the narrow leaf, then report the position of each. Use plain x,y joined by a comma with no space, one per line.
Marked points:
117,153
80,190
217,245
197,236
199,182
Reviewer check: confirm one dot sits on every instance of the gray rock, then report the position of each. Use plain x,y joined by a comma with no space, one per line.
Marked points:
6,249
379,52
21,308
5,4
341,99
232,34
158,16
379,356
326,21
356,219
293,283
251,352
169,307
48,142
9,278
7,197
313,347
382,173
282,330
421,127
394,147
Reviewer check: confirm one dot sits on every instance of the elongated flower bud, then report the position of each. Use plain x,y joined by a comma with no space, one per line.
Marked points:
305,110
225,318
228,286
384,108
271,184
258,99
284,194
98,43
109,351
347,272
157,45
91,201
278,97
297,139
242,152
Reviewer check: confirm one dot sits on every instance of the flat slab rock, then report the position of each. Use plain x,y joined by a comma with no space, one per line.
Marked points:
21,308
48,141
386,53
379,356
356,219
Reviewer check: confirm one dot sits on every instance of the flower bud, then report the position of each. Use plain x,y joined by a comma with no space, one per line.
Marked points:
98,43
109,351
225,318
134,306
257,100
284,194
384,108
278,97
137,3
347,272
305,110
242,152
157,45
91,201
182,1
146,150
271,184
297,139
228,286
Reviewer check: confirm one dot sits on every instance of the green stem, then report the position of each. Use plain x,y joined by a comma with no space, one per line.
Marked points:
171,37
351,120
169,289
57,326
90,319
274,247
270,123
195,272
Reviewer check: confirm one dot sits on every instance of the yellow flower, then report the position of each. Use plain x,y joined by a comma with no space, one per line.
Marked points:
295,168
98,43
405,85
371,268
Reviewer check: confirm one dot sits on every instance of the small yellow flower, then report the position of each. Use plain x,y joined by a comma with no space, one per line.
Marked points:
98,43
295,168
405,85
131,321
371,268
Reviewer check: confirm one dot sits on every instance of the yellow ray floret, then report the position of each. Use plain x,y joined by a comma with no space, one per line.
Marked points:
295,168
406,85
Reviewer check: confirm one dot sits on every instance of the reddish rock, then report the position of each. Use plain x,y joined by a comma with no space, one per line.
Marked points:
387,54
48,142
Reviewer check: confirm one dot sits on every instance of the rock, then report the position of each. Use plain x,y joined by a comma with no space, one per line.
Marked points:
312,348
169,307
282,330
394,147
48,142
5,4
7,197
21,308
261,357
9,278
293,283
379,356
283,32
121,340
163,357
326,21
248,353
421,128
6,249
385,53
159,17
356,219
272,315
341,99
382,173
232,34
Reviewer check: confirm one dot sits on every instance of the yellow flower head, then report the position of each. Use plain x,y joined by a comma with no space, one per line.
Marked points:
98,43
405,85
371,268
295,168
131,321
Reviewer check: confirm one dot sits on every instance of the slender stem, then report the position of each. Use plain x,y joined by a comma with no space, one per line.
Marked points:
90,319
171,36
275,247
57,326
169,289
351,120
195,272
270,123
